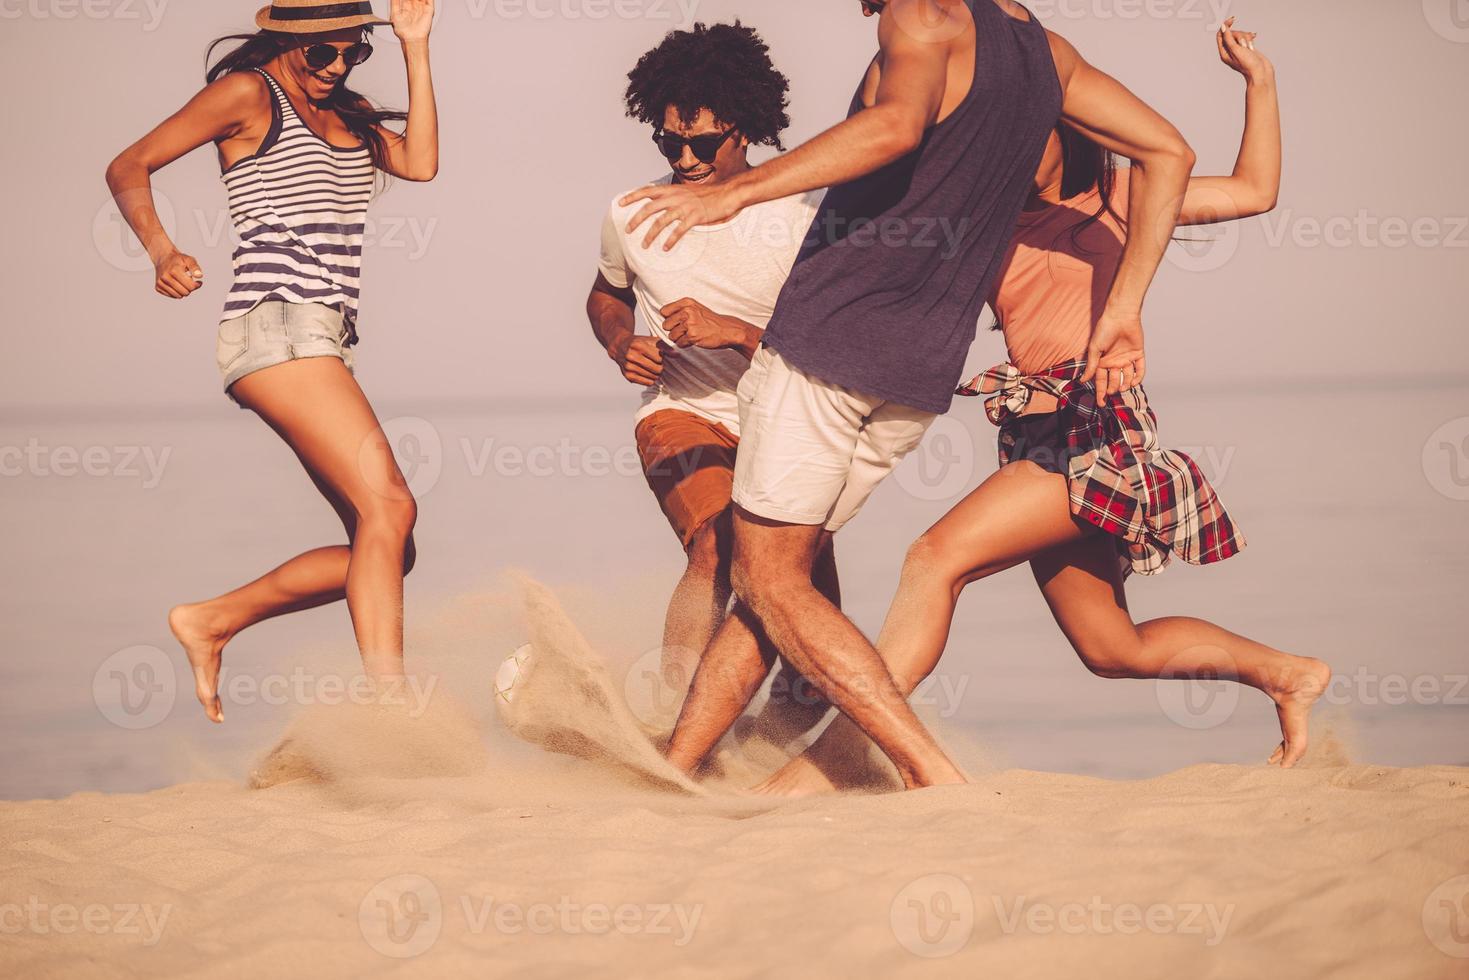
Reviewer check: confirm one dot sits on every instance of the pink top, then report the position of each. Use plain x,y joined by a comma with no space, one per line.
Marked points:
1054,285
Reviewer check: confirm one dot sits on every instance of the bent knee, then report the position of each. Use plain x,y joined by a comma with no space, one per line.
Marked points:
395,516
931,558
1112,663
708,551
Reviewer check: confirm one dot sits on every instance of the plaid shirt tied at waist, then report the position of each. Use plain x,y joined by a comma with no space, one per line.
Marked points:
1155,501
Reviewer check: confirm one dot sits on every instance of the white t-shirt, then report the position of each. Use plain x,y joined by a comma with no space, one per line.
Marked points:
735,269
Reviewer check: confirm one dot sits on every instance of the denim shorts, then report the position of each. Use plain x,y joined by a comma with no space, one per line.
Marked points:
276,332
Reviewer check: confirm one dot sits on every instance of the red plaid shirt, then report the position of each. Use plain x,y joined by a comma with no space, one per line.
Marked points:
1156,501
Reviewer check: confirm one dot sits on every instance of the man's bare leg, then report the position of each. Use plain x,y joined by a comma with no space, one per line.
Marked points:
730,674
697,608
772,573
1013,515
795,706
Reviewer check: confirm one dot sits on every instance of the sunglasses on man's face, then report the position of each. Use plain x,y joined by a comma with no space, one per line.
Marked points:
319,56
705,147
874,6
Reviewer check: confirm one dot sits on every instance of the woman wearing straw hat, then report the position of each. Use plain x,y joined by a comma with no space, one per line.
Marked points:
302,156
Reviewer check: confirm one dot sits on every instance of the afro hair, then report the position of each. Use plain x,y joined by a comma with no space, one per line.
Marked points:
726,69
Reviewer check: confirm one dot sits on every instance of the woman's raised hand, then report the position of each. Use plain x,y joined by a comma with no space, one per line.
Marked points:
1237,50
412,19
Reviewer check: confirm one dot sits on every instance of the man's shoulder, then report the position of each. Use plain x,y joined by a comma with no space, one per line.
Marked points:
616,209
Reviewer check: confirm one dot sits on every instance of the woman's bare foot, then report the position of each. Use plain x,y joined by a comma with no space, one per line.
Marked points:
1295,690
203,642
797,778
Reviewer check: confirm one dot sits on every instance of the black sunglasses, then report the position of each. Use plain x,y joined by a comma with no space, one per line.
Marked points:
875,6
705,148
319,56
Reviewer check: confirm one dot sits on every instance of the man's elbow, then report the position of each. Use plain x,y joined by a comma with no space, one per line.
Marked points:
900,132
1179,154
1172,157
905,136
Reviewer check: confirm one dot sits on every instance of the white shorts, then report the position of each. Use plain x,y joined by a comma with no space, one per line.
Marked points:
812,452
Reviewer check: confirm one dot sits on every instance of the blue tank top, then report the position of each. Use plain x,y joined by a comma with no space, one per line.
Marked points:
886,294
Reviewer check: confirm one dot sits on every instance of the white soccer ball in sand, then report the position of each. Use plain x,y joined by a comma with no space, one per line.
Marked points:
511,675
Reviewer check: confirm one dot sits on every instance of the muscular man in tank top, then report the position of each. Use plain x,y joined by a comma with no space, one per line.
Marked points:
871,331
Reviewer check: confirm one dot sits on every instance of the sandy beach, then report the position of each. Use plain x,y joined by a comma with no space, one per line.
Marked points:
423,839
1213,871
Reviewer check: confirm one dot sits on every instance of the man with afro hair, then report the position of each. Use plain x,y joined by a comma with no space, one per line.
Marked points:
683,324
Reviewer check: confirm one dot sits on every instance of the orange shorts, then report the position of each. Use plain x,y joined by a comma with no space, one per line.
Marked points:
689,462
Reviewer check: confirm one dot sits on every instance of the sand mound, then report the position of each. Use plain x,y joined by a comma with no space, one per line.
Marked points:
417,733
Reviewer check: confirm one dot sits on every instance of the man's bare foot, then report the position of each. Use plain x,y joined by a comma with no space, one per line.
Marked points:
203,644
798,778
1295,691
946,774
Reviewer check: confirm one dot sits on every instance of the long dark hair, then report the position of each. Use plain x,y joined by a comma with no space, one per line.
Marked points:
359,115
1087,166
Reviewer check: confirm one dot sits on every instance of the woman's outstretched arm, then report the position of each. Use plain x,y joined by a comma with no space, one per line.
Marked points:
1254,186
414,155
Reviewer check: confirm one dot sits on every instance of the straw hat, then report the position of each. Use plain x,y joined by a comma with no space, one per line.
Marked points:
315,17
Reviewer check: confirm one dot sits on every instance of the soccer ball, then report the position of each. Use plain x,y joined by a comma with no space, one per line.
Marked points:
512,675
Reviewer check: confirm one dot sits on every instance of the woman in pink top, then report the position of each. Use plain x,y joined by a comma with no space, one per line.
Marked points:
1085,492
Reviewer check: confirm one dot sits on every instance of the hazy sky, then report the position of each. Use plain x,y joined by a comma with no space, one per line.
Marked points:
475,284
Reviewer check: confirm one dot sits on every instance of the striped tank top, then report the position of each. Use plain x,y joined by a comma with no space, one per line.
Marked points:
299,207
